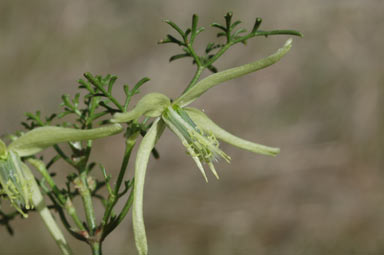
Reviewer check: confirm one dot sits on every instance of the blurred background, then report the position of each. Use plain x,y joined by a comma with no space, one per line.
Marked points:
324,194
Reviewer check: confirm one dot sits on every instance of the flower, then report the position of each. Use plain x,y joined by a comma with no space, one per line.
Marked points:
202,146
196,131
16,179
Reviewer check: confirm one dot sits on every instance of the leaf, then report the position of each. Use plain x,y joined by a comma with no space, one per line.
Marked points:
176,27
178,56
217,25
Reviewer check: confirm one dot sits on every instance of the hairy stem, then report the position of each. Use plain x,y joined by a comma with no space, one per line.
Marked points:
86,197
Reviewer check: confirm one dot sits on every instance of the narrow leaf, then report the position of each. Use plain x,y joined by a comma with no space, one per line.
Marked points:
217,25
176,27
178,56
235,24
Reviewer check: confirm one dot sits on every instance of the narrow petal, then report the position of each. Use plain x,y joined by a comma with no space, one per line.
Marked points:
40,138
202,120
3,150
229,74
213,170
151,105
198,162
184,141
141,163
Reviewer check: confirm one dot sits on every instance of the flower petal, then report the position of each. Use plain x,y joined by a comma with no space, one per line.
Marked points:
3,150
141,163
202,120
151,105
40,138
229,74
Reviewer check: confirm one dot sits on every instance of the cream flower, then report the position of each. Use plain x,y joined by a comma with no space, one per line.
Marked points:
196,131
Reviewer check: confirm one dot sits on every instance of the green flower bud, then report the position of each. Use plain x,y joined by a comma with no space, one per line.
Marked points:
151,105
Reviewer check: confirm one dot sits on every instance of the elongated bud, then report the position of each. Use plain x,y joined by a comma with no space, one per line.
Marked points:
40,138
208,125
151,105
229,74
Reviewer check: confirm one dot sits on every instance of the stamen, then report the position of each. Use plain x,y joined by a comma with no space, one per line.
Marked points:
202,146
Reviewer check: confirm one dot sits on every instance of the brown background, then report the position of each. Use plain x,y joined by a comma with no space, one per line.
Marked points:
321,105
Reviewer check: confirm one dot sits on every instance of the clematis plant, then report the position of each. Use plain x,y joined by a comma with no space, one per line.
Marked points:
197,132
98,114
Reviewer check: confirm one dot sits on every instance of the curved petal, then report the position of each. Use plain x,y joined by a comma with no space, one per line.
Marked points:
40,138
151,105
202,120
141,163
229,74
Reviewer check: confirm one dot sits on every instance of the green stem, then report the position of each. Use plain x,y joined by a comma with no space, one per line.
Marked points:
113,197
200,67
96,248
195,78
63,155
219,53
86,197
129,144
64,202
193,53
71,210
98,85
113,224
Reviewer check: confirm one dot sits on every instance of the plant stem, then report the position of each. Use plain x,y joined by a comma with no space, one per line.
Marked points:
96,248
195,78
129,144
63,202
86,197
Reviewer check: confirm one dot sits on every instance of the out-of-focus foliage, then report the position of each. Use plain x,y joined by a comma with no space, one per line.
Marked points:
321,105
